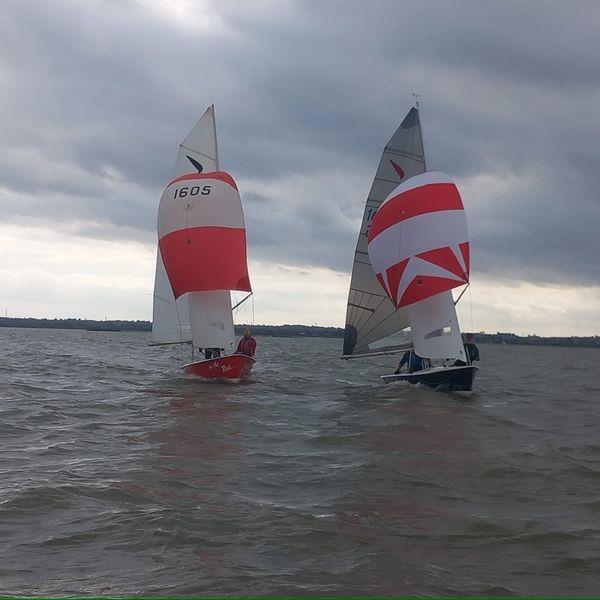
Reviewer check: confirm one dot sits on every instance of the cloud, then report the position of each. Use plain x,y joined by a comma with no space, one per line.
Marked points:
62,274
48,273
99,94
527,308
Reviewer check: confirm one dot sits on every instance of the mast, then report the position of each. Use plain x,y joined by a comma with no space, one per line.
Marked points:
214,120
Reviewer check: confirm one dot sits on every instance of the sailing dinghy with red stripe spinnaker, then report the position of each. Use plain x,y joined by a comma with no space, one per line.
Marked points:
412,250
201,258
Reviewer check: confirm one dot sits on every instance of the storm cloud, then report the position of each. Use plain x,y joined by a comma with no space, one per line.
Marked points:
97,95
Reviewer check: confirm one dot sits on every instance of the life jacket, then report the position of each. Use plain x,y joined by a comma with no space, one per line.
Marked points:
247,346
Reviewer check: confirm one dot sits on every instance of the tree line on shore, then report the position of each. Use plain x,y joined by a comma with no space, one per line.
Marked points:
286,331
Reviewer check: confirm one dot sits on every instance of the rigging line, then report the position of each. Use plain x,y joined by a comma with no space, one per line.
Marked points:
384,321
247,313
361,307
407,154
365,314
200,153
365,333
461,294
419,112
364,318
241,301
471,307
215,137
180,333
157,297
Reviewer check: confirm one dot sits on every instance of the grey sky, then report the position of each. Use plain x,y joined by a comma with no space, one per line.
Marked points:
97,95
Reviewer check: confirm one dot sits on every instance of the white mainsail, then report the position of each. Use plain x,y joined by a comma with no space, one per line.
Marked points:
434,328
370,315
212,320
208,314
170,318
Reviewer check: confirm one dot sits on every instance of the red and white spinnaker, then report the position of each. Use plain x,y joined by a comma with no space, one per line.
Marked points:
419,250
201,234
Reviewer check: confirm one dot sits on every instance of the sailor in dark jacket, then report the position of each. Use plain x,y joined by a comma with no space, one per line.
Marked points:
471,351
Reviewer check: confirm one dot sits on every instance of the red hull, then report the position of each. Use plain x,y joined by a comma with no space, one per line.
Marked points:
233,366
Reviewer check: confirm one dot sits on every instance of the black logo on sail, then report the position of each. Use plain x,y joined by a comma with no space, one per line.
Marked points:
196,164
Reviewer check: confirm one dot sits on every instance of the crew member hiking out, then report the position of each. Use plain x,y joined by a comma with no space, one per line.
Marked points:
247,345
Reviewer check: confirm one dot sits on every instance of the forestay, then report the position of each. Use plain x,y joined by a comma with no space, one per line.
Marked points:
370,315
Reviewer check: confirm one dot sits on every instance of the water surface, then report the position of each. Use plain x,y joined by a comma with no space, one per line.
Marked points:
120,476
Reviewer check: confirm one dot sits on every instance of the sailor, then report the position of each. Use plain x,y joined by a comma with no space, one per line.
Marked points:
412,359
212,352
247,345
471,351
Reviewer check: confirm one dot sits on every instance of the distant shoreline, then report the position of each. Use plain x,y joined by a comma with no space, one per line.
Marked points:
288,331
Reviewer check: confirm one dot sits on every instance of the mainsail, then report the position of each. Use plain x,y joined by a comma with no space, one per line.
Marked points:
202,247
370,315
418,246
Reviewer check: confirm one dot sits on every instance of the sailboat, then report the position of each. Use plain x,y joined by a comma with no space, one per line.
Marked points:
201,258
412,251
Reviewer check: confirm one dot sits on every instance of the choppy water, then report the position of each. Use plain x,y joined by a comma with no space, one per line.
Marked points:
120,476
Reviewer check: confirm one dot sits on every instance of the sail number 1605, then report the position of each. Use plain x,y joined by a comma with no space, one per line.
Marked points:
182,192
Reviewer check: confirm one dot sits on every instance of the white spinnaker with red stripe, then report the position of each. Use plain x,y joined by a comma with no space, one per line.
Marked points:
171,318
202,242
419,250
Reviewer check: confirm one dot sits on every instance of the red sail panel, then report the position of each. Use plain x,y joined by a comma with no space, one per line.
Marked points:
394,275
424,286
425,199
205,258
445,258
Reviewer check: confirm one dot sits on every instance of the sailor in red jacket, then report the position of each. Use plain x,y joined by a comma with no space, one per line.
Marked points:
247,344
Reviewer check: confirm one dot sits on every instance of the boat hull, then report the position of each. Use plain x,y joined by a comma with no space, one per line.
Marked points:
453,379
233,367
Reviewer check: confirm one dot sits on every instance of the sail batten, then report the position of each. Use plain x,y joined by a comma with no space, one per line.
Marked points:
383,352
